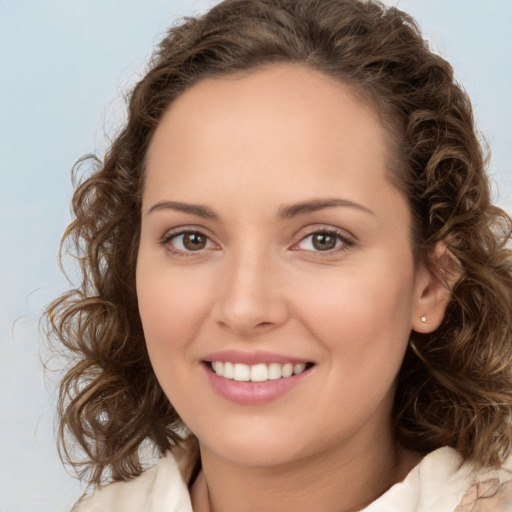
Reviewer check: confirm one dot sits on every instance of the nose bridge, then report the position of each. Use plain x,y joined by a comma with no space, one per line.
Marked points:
250,297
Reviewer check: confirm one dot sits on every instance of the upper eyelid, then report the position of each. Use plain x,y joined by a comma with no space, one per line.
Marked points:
303,233
170,234
180,230
326,228
348,241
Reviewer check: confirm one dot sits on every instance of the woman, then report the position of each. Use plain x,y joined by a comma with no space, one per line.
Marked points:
296,289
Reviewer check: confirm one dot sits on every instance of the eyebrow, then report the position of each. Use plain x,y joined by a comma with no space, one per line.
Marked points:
193,209
284,212
294,210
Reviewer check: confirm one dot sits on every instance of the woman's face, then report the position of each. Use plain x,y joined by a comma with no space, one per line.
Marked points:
272,242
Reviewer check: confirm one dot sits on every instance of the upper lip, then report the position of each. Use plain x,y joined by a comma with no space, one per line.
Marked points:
253,358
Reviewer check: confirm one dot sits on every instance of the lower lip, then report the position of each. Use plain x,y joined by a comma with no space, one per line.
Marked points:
253,393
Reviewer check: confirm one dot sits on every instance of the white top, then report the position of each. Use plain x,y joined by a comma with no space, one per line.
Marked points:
437,484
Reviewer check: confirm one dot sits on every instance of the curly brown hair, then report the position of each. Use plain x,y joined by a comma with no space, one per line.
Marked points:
454,387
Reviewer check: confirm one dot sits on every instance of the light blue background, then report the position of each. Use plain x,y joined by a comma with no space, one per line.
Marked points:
64,65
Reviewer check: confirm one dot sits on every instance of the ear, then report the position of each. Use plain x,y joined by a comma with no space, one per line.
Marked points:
434,287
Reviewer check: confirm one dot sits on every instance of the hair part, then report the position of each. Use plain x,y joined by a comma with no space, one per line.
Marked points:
454,387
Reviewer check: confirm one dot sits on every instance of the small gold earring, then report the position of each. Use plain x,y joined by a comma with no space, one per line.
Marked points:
424,319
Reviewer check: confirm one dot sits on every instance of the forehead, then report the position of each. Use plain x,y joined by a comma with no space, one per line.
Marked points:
283,125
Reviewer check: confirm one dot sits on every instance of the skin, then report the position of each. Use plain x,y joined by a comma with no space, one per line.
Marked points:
247,146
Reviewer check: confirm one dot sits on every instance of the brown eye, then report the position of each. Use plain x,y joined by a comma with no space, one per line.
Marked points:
193,241
327,241
324,241
188,241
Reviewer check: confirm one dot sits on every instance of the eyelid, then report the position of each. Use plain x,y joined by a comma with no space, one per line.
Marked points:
182,230
347,239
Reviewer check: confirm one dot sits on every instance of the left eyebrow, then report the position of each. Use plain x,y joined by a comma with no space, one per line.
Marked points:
303,208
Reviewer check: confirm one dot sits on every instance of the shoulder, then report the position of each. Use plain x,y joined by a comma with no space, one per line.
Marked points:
442,482
490,490
158,489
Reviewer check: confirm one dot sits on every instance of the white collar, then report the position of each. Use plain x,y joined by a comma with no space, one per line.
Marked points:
439,483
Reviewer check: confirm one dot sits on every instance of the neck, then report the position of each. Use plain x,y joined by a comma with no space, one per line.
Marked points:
338,481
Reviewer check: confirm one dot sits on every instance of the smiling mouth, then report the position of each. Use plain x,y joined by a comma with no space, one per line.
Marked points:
256,373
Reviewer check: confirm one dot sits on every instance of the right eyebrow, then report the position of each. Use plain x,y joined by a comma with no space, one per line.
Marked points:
193,209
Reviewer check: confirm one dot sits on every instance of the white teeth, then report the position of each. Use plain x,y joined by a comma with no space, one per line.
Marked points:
259,373
287,370
218,368
228,371
242,372
299,368
256,373
274,371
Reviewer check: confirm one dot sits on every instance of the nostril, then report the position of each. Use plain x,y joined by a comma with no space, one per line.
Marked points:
264,324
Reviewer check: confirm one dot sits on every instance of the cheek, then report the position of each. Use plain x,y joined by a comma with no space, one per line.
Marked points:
367,310
171,310
170,307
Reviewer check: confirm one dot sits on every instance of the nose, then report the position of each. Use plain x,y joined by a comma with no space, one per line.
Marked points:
251,299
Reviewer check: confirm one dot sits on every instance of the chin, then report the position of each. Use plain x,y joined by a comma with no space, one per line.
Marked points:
254,447
256,454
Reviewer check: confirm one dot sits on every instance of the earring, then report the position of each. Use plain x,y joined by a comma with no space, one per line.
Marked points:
424,319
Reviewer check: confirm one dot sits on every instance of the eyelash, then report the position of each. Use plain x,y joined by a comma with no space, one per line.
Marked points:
344,242
169,236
